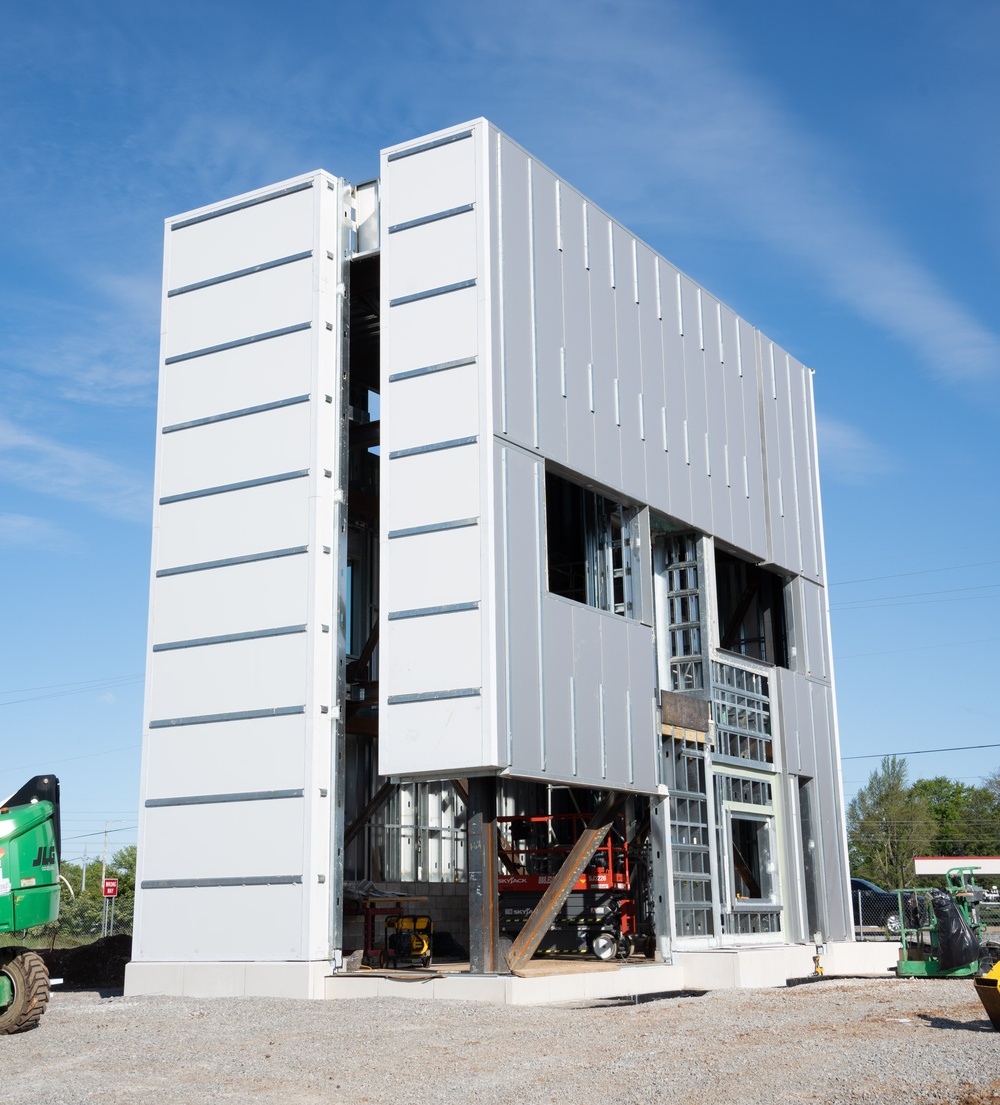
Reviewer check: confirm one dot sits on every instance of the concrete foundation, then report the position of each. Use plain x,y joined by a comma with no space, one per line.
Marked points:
549,983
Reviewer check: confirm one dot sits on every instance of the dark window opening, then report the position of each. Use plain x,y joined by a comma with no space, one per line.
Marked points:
589,547
752,868
751,610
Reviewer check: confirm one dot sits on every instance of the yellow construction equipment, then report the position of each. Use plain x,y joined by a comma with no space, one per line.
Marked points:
988,989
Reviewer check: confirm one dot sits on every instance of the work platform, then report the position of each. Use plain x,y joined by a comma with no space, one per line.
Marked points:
544,982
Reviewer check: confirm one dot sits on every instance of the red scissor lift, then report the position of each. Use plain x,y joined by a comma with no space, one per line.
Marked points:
599,916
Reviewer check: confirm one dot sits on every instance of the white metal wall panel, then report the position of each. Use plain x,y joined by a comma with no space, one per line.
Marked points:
616,719
180,840
250,447
252,520
256,674
587,677
243,629
448,402
255,304
252,235
431,332
440,566
580,419
234,924
430,488
232,756
434,652
791,523
435,682
735,446
235,379
434,254
645,730
240,598
440,178
549,348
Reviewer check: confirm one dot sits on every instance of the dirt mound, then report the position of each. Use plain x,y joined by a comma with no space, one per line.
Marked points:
97,966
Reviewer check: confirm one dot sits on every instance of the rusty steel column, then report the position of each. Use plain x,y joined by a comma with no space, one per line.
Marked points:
484,908
558,891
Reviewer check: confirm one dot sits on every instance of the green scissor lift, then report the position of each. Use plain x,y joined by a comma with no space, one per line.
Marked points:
29,896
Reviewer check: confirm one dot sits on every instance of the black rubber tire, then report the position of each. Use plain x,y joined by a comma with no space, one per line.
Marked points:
989,956
425,962
626,946
30,981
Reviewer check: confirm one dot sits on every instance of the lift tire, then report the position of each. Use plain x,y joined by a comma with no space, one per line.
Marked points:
425,962
29,980
626,946
604,945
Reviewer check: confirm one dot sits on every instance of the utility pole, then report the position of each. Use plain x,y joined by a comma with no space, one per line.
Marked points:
104,872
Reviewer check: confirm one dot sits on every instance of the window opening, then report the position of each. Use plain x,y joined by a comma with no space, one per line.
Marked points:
751,610
690,836
741,710
590,547
746,839
679,604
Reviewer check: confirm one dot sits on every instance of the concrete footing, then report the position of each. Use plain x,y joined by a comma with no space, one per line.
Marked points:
547,983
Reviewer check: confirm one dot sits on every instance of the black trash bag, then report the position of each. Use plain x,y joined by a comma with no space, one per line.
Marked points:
957,947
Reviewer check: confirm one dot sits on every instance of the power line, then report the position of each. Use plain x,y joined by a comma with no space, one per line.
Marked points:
125,681
915,595
50,763
925,572
921,751
916,648
80,683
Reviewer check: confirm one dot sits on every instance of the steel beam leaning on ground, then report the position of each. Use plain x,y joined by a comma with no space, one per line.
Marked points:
558,891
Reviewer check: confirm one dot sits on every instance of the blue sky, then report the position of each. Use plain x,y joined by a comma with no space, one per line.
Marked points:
827,170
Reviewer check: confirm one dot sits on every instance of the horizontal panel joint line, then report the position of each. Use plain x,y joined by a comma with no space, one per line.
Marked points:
429,611
238,880
238,273
433,696
215,799
232,715
432,145
241,206
426,370
242,412
436,217
235,344
430,293
433,527
433,447
228,561
221,489
228,638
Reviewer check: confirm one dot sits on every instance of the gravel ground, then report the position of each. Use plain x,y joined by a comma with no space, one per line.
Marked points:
864,1041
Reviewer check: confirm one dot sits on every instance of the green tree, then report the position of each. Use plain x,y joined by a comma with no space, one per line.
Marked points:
967,817
887,825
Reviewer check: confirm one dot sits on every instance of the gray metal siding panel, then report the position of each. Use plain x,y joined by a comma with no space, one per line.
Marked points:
602,328
679,498
525,582
580,451
615,684
653,393
548,317
774,505
696,411
558,653
587,681
715,398
627,310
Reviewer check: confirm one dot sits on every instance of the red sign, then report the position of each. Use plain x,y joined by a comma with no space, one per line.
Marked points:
110,888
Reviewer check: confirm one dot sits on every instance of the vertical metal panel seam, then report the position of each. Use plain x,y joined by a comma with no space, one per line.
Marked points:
680,308
574,749
533,305
604,732
628,730
508,692
502,280
540,588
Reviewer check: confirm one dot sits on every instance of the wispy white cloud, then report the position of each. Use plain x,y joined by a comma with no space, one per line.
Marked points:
43,466
848,455
24,531
657,86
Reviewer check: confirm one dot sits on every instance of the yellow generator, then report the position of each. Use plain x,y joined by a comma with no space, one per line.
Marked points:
407,941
